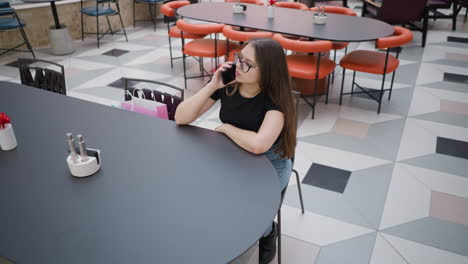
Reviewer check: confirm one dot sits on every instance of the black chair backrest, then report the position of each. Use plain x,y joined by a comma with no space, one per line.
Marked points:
402,11
44,78
171,101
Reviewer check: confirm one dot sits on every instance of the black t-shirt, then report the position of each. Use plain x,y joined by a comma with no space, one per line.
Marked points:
241,112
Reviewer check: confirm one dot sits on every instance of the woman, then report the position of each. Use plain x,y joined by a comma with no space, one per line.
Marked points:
257,111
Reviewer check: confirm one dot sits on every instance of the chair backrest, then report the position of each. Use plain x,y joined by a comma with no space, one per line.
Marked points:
402,11
401,36
6,9
230,33
199,28
170,100
463,3
44,78
255,2
337,10
303,46
169,9
293,5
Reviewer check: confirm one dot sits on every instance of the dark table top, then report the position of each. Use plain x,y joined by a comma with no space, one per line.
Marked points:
164,194
291,21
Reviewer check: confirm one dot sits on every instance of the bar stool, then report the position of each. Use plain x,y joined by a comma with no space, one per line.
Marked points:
311,67
169,11
376,62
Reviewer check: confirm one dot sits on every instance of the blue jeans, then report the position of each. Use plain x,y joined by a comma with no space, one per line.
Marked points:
283,168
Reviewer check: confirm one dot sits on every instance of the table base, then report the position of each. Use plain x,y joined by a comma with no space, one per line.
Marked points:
60,41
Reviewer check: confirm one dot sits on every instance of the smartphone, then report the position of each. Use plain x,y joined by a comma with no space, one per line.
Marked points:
229,74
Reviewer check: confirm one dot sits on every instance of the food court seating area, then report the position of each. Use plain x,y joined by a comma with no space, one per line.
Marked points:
383,123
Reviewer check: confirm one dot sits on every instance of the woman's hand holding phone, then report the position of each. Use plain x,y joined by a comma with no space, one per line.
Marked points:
217,79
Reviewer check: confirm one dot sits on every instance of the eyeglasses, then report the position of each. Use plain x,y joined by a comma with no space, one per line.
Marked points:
244,66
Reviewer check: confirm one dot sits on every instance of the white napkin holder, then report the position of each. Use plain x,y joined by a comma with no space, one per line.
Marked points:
80,168
238,8
320,19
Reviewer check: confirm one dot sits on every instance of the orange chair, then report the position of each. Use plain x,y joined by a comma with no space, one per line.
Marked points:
337,45
294,5
169,11
376,62
255,2
241,36
336,10
312,67
202,48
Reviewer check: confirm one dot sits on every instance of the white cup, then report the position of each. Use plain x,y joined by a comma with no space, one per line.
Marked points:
7,138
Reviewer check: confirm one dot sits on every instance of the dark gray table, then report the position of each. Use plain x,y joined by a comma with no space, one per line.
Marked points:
291,21
165,194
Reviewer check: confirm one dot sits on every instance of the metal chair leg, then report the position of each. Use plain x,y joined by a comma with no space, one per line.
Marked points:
109,24
185,70
279,236
299,189
97,30
454,15
151,16
342,85
333,73
352,85
170,52
154,11
381,92
123,27
314,95
82,27
328,89
391,86
26,41
134,12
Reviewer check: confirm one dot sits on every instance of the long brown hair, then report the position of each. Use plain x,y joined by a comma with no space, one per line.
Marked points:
276,84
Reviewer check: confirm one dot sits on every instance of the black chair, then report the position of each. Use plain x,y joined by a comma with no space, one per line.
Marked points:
434,5
98,10
462,4
9,20
297,96
399,12
151,8
171,101
44,78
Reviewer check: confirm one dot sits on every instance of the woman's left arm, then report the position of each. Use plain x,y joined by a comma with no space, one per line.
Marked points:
260,142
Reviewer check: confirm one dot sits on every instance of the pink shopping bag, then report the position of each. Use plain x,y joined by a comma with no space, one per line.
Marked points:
145,106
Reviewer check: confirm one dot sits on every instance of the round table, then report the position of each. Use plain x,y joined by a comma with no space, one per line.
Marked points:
60,39
164,194
291,21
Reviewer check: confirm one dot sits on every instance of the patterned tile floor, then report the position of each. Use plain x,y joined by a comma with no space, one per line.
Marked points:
388,188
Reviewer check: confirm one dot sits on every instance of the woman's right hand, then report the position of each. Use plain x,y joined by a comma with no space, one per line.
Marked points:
217,80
